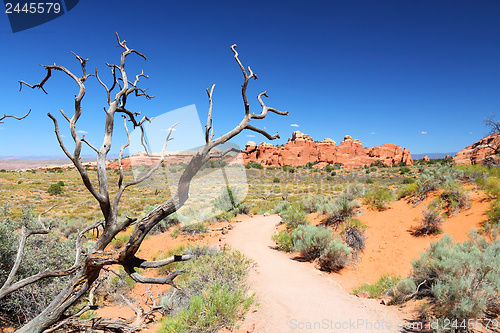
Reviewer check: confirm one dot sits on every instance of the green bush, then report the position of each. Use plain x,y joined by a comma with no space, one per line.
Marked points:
198,228
60,183
294,215
212,294
42,252
335,256
408,181
311,241
283,240
369,181
276,180
378,199
342,209
379,288
403,290
255,165
55,189
214,309
462,279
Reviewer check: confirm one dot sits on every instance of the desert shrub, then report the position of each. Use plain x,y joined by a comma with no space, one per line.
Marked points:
242,208
55,189
119,241
210,311
430,180
379,288
212,294
408,190
281,207
404,170
402,290
355,191
407,180
255,165
276,180
431,222
311,241
378,199
283,240
462,279
42,252
454,200
294,215
197,228
343,209
494,212
335,256
369,181
329,168
289,169
329,178
354,237
379,164
315,203
60,183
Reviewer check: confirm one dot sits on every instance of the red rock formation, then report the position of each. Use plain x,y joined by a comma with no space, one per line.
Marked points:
301,149
479,152
426,158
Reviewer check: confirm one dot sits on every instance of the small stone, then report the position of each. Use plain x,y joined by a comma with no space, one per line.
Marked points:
363,294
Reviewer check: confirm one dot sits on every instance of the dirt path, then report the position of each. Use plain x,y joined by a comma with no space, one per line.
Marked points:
296,297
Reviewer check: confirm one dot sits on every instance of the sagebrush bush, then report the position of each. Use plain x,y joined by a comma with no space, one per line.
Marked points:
42,252
335,256
198,228
378,199
462,279
212,294
311,241
402,290
294,216
343,209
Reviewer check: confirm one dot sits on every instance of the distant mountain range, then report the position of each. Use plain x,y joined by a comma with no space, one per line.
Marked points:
432,155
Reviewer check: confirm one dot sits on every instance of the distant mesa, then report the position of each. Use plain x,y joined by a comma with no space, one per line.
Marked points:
480,152
302,149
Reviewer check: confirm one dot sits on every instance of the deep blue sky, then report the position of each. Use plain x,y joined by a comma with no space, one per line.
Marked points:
420,74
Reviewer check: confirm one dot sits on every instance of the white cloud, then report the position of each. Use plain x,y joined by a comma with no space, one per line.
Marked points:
423,132
250,135
372,133
294,125
63,136
168,130
82,132
470,132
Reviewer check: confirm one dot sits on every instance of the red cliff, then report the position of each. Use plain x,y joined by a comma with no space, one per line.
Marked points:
480,152
301,149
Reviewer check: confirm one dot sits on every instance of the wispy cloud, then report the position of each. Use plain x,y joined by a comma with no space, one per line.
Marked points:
63,136
423,132
372,133
82,132
250,135
470,132
168,130
294,125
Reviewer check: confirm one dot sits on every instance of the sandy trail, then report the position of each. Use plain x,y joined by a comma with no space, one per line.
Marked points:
296,297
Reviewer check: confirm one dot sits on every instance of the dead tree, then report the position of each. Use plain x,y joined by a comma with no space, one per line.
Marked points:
88,266
492,143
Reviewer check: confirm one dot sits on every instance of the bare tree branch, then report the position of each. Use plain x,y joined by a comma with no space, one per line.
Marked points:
209,131
11,116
